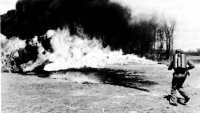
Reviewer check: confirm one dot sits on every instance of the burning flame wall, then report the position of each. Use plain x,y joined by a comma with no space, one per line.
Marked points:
107,21
68,51
80,51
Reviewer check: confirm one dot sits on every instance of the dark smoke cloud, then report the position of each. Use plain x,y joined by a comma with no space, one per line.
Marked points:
100,18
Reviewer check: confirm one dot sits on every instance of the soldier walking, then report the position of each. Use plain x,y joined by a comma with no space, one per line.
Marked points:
180,65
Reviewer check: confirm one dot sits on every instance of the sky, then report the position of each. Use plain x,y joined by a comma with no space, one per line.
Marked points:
183,12
6,5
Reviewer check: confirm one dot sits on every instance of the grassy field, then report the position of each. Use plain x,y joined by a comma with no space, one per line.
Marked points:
115,89
195,59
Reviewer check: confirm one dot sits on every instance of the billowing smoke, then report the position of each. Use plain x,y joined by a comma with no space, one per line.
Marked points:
84,33
106,20
65,34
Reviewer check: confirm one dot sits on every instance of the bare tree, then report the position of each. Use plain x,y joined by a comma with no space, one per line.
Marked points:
169,32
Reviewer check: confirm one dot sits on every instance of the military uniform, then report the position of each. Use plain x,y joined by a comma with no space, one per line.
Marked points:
179,77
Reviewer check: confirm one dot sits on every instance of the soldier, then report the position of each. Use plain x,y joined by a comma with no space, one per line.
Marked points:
181,67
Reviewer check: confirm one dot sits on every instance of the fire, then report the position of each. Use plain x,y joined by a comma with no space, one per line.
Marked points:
79,51
69,51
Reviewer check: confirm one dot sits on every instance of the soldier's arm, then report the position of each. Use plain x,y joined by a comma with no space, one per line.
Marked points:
190,65
170,66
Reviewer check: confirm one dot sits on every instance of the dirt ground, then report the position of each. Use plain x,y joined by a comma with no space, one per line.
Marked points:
115,89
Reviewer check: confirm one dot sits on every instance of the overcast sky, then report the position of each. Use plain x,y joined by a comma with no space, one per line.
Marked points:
184,12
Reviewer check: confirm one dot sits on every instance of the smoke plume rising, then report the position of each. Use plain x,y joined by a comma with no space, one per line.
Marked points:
108,31
104,19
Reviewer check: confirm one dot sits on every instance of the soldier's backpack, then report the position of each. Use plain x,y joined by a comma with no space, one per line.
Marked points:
179,61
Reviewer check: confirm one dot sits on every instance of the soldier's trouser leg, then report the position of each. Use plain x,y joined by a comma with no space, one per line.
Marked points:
180,87
183,93
173,99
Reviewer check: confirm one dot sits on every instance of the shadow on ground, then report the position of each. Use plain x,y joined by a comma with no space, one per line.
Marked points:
136,80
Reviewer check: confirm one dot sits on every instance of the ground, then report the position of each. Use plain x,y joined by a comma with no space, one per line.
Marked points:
115,89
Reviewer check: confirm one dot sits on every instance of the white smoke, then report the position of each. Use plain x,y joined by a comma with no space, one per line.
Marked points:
9,48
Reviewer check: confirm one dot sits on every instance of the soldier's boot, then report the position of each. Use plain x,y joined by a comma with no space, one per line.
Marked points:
187,100
173,98
173,101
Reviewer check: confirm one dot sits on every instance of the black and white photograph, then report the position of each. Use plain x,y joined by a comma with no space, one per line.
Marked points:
100,56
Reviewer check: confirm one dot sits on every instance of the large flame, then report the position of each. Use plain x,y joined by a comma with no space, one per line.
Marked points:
79,51
69,51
